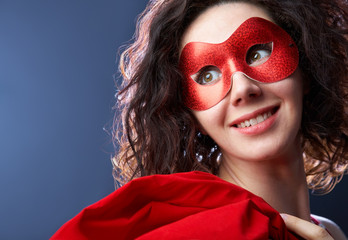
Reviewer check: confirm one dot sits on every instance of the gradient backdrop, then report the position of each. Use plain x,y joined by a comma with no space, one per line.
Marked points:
57,61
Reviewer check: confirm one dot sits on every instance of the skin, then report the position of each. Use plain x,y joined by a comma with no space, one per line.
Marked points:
265,162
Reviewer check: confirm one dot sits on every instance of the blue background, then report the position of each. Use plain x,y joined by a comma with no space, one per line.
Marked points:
57,61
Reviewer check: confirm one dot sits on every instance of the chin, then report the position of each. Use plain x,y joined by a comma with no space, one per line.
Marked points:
265,152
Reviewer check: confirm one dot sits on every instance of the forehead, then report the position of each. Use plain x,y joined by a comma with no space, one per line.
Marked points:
217,23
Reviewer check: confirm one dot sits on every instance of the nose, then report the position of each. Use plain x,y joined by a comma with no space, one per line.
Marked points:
243,89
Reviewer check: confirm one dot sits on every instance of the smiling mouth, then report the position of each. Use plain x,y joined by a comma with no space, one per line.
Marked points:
258,119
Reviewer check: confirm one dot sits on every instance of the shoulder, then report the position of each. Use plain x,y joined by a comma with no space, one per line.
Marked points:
331,227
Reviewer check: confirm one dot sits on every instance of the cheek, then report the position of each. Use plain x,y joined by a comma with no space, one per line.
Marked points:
210,119
291,92
291,88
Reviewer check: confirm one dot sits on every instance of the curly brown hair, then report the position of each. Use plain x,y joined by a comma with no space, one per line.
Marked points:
157,134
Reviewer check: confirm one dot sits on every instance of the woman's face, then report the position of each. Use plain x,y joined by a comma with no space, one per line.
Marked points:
255,120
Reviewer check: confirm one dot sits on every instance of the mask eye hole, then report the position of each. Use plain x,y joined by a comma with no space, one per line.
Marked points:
207,75
259,54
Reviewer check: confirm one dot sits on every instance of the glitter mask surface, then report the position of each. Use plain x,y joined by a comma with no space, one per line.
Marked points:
230,57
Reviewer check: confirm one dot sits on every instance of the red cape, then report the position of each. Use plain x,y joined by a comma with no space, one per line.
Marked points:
193,205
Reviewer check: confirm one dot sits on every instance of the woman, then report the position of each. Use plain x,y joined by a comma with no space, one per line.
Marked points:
253,92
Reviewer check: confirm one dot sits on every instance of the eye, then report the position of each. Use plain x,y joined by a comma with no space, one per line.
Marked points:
259,53
207,75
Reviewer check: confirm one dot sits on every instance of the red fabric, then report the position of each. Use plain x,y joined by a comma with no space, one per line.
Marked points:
193,205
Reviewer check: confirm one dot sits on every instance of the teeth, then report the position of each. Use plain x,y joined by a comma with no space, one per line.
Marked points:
259,119
251,122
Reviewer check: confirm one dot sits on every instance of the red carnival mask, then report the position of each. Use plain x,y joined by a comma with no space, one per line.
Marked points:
216,63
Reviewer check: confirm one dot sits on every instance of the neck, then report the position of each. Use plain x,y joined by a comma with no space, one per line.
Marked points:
281,181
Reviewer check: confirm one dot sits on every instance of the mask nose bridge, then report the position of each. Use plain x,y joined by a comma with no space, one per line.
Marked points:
234,67
236,61
235,49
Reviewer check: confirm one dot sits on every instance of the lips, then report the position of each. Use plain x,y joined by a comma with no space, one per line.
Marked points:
254,118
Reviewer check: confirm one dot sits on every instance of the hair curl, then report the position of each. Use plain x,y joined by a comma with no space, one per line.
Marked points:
159,135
